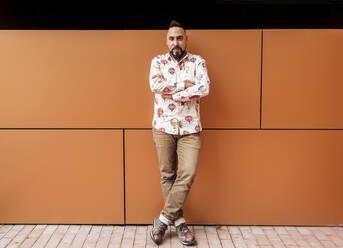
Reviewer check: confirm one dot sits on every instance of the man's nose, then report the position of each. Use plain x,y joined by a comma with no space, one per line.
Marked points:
176,42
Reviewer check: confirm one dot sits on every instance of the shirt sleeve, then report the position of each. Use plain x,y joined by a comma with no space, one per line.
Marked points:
201,87
160,85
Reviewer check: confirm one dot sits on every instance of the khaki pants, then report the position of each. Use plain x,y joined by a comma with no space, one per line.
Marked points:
176,182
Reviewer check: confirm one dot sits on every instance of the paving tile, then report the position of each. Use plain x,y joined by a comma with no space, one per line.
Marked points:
141,236
116,237
212,236
33,236
105,237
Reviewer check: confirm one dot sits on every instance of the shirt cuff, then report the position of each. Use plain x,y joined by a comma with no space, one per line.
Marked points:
180,86
179,97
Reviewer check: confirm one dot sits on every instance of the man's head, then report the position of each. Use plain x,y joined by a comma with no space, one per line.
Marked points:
176,40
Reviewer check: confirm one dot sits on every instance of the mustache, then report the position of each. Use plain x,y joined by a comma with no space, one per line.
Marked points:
177,47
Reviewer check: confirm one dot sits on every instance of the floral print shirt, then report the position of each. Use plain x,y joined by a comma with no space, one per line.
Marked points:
181,114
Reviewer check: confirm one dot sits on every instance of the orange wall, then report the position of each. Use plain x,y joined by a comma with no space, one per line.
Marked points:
75,119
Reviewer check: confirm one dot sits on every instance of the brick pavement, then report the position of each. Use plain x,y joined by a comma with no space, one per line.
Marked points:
112,236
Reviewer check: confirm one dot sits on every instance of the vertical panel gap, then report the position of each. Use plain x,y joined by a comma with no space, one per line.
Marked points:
261,79
124,181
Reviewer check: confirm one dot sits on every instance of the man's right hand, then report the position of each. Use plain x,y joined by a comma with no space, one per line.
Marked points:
188,84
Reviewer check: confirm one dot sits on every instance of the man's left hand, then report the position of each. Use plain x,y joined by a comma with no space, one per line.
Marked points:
167,96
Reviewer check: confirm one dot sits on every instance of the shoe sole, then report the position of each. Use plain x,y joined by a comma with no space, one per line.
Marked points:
188,243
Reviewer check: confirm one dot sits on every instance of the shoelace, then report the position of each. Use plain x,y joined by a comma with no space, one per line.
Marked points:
161,227
184,228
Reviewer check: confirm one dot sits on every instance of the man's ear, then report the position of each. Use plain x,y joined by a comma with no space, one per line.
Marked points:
167,37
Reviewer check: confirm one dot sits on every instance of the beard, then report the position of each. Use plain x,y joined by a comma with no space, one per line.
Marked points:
178,53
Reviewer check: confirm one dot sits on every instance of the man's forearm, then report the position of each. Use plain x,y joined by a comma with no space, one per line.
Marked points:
170,95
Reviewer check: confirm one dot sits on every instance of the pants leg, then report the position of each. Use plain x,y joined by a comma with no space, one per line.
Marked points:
188,151
166,155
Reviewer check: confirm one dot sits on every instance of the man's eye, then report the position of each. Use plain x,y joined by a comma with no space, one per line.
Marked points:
180,38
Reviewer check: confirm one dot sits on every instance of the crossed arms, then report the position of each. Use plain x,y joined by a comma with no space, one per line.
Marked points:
179,91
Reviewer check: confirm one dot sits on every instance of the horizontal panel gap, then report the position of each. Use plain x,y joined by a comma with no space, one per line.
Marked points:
209,129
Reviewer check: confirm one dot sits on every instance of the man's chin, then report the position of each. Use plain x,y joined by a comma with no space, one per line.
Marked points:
177,55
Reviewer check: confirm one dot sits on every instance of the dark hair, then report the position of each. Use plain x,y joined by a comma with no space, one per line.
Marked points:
174,23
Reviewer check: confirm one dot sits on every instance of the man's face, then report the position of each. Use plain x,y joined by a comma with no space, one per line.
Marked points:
176,42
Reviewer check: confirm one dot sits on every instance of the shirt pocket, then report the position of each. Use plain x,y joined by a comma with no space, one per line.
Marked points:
169,72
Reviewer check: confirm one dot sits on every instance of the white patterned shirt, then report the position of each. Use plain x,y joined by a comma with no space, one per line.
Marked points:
181,114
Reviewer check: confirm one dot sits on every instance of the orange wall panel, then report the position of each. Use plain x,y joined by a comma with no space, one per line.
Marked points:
61,176
246,177
56,78
84,78
302,78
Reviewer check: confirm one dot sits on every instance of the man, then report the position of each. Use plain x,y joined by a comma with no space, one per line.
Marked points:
179,79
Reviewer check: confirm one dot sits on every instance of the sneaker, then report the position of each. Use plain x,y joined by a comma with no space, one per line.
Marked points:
185,235
158,230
